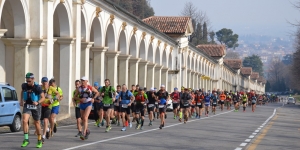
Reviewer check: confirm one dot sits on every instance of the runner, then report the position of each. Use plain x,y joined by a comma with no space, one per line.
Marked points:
253,103
126,98
95,106
109,95
156,106
199,105
235,102
192,112
77,109
151,105
84,93
185,101
46,111
116,114
175,96
207,99
134,92
54,107
31,98
244,99
228,101
162,98
222,100
140,99
214,102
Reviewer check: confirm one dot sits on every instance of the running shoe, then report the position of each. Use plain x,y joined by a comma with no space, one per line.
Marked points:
141,128
43,140
88,132
25,143
138,126
150,124
130,125
51,134
179,119
55,128
107,128
160,126
47,135
78,134
102,123
39,144
174,117
81,136
123,129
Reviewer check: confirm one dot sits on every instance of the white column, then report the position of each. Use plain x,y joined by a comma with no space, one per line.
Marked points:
196,80
157,76
123,69
77,33
2,58
65,73
164,77
98,63
143,74
112,67
150,75
21,63
48,32
85,59
36,51
133,70
193,80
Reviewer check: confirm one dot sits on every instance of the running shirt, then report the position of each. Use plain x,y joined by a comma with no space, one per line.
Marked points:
199,98
222,97
207,100
76,101
108,94
185,97
58,89
48,95
175,97
244,98
162,96
151,97
125,97
85,92
214,99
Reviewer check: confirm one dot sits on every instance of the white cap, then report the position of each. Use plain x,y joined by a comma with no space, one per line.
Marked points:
84,78
152,89
162,86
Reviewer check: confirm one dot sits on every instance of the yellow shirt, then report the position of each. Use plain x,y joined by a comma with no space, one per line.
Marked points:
56,103
48,95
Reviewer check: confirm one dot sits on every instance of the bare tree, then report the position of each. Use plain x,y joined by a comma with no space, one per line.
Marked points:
232,55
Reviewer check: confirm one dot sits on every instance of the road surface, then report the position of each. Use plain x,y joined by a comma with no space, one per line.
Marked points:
226,130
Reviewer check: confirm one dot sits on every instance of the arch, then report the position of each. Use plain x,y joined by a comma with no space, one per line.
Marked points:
133,47
110,40
157,56
95,33
61,25
142,51
170,61
13,19
150,54
122,45
164,59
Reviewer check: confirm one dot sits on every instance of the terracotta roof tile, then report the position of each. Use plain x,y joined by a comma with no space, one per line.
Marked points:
234,63
169,24
246,71
254,75
213,50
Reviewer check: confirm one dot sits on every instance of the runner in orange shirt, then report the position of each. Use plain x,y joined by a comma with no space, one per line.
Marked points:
222,99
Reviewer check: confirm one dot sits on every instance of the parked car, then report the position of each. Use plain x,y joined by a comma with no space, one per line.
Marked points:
291,100
10,114
169,105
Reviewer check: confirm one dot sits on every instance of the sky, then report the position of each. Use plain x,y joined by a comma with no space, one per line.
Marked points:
244,17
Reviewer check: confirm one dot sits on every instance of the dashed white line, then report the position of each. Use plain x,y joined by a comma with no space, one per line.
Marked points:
238,148
256,130
251,136
243,144
254,133
247,140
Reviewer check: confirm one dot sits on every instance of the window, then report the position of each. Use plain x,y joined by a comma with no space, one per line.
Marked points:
8,94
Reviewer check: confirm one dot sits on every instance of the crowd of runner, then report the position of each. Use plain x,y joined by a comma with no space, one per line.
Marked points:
122,105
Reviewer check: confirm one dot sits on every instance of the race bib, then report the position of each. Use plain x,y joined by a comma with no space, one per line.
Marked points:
116,104
161,106
31,107
150,105
253,101
124,105
186,104
199,104
214,103
156,103
174,102
106,105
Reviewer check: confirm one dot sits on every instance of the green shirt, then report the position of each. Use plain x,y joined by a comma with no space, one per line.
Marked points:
56,103
106,98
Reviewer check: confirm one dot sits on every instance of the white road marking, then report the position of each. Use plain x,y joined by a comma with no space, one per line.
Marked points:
243,144
256,130
247,140
251,136
261,126
238,148
176,124
254,133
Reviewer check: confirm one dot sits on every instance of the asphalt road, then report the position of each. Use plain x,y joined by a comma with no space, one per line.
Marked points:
226,130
